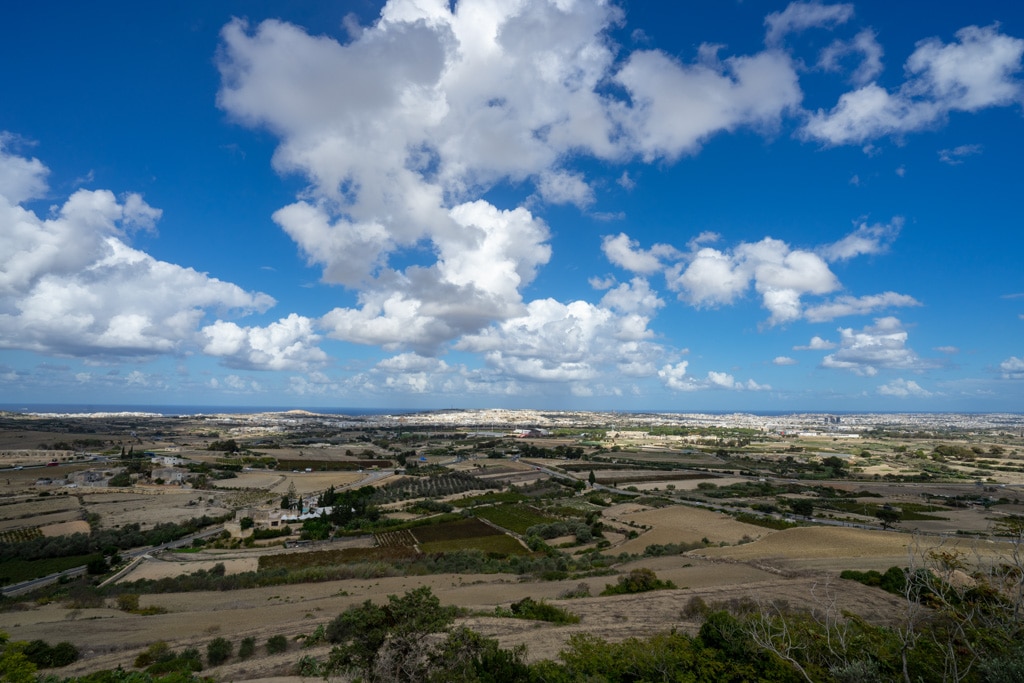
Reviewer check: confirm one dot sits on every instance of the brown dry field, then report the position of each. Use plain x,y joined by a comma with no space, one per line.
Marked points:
798,568
835,549
305,482
661,485
65,528
679,524
108,637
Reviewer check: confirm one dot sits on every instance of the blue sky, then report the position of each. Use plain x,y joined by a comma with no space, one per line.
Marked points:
544,203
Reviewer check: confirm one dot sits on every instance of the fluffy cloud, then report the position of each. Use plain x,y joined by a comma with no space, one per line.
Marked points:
816,344
781,276
675,378
480,268
626,253
71,285
879,346
865,44
1012,368
288,344
575,342
398,129
799,16
21,179
678,106
866,239
863,305
562,187
784,360
902,388
975,72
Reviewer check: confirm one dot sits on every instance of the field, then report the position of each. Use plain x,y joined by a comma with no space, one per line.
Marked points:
680,524
516,518
658,516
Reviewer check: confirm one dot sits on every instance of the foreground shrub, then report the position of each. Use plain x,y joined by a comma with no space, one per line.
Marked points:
247,648
276,644
218,651
46,656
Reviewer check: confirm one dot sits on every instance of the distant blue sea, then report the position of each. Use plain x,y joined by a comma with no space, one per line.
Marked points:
174,410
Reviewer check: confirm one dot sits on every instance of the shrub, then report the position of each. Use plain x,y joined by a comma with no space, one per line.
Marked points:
128,602
637,581
45,656
156,652
185,663
276,644
528,608
218,651
247,648
582,590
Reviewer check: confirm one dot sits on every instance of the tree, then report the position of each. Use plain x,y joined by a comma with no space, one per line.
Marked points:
836,464
385,642
120,479
592,478
888,516
15,667
802,507
97,566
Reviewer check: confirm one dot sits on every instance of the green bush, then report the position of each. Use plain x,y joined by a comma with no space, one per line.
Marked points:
637,581
218,651
528,608
247,648
45,656
276,644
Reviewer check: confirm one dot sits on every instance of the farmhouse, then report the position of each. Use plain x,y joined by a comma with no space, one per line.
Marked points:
169,475
93,477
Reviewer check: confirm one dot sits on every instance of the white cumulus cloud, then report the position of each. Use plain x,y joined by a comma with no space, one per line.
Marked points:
71,284
1012,368
977,71
879,346
288,344
902,388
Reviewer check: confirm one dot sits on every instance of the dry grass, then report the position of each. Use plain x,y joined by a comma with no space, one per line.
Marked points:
680,524
835,549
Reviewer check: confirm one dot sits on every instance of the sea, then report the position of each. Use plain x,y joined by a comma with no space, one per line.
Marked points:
187,409
176,410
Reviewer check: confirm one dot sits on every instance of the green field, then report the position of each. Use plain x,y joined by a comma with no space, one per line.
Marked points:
499,544
449,531
515,517
15,571
323,558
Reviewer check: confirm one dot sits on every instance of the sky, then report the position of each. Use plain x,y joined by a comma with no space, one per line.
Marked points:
556,204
